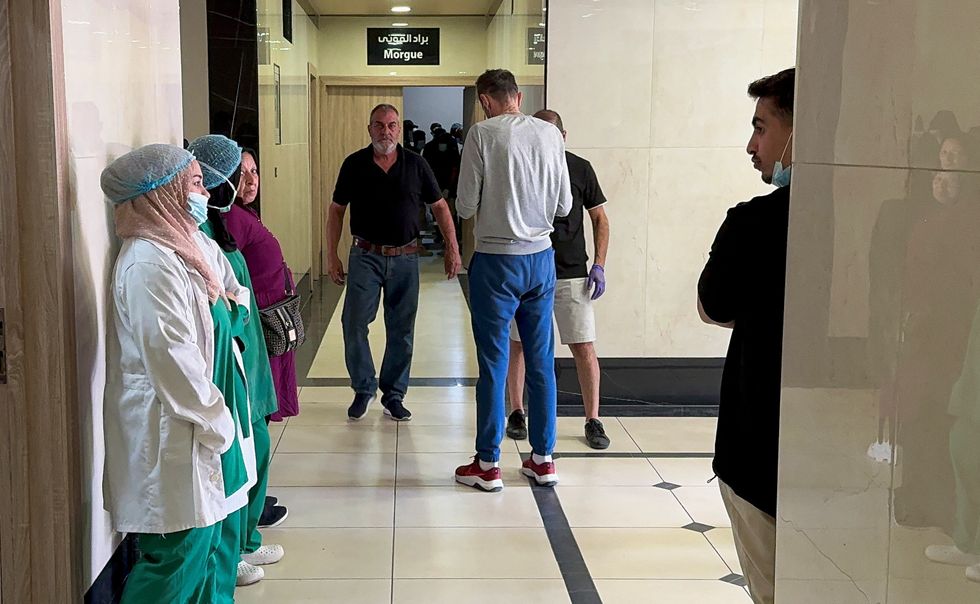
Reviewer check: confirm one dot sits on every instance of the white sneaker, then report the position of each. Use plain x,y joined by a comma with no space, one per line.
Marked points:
248,574
267,554
973,573
952,555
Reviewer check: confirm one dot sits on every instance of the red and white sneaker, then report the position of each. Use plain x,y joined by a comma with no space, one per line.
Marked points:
472,475
544,474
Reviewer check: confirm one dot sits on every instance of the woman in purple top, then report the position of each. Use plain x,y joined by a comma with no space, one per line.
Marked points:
270,275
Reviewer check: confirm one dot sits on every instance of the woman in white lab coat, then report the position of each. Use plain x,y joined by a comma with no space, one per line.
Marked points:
166,424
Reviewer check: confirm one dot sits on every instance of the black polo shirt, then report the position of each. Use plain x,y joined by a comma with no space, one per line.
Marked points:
384,207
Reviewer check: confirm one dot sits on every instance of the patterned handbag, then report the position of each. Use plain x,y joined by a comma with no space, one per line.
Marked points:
282,323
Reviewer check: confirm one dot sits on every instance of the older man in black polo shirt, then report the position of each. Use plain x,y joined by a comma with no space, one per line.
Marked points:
385,185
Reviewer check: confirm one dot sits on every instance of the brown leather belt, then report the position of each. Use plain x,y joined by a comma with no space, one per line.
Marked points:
387,250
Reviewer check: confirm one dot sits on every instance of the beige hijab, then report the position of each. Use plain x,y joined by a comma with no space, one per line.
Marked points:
161,216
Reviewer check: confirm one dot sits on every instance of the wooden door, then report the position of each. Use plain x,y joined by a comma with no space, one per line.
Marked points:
472,113
316,203
344,116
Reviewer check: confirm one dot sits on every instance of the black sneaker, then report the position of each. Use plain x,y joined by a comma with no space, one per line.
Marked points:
396,411
517,425
358,408
270,501
595,435
273,516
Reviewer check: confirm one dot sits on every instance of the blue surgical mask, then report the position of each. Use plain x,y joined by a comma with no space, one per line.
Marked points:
781,176
197,205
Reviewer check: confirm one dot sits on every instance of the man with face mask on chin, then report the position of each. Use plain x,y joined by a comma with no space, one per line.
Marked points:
742,289
384,185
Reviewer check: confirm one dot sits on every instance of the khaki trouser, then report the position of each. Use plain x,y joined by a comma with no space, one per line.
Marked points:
755,542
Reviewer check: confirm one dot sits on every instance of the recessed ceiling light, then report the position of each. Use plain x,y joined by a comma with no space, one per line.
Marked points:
541,24
399,24
401,9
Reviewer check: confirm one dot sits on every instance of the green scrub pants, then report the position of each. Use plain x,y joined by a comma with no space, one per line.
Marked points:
964,446
176,568
251,537
228,556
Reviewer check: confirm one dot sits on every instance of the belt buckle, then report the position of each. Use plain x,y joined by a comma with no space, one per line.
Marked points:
386,250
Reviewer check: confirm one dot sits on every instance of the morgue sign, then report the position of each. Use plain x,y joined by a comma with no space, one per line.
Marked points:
403,46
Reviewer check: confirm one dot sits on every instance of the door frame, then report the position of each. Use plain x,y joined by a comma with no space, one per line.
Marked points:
41,525
316,197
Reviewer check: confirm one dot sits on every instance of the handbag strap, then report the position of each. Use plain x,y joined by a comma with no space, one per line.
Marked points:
287,276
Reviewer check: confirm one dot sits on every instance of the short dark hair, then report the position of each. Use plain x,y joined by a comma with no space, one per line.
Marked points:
551,117
497,83
382,106
779,88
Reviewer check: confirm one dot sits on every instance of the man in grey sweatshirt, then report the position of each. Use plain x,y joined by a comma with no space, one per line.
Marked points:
514,180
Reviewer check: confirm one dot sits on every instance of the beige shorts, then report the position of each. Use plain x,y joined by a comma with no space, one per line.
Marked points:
573,313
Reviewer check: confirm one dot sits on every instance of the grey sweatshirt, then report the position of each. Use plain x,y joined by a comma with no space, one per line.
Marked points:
513,178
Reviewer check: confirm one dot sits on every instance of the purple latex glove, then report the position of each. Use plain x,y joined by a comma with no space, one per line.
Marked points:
597,279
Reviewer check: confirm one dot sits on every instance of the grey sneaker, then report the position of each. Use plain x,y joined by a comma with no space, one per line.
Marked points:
595,434
517,425
358,409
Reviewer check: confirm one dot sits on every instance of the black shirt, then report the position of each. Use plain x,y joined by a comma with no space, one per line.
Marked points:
384,207
445,163
744,281
568,238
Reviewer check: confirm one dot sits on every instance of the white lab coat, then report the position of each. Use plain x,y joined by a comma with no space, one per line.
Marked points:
226,274
166,423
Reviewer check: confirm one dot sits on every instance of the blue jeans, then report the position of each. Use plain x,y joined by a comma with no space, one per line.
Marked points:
519,288
368,276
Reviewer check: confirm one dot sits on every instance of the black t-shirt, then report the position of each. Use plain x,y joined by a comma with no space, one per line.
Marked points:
744,281
568,238
384,207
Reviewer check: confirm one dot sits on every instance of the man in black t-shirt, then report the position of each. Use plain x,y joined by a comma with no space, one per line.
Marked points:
742,288
385,185
576,288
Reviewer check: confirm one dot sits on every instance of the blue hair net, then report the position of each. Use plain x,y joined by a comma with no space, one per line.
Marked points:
219,156
143,170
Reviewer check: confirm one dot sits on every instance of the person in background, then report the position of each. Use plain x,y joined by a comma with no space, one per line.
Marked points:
384,185
269,275
221,159
456,130
514,180
167,427
742,288
434,127
576,289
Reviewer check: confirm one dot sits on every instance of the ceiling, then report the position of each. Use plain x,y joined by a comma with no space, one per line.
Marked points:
419,7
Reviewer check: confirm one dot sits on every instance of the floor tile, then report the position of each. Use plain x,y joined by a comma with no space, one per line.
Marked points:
724,541
337,507
331,553
351,438
621,507
315,591
623,591
648,553
571,437
673,434
436,439
275,434
437,469
462,506
464,553
581,471
704,504
444,414
695,472
332,470
479,591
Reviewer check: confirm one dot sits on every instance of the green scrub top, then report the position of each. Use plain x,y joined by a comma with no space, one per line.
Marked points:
228,323
256,356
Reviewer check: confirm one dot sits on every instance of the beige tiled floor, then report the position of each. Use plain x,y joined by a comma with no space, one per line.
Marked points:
375,515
